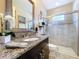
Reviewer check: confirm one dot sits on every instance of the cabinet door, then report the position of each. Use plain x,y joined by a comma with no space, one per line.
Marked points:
38,56
45,52
41,51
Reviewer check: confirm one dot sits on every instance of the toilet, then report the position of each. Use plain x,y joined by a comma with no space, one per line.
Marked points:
53,51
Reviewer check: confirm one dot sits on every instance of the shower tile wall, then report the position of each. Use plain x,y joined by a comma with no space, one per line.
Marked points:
62,34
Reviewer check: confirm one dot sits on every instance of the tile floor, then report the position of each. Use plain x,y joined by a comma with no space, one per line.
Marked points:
60,52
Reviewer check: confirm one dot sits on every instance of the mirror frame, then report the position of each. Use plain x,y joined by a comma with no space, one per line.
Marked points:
33,13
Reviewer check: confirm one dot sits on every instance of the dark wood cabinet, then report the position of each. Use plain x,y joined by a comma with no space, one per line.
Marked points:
40,51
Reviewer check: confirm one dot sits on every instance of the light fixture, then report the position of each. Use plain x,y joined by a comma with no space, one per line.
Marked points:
8,17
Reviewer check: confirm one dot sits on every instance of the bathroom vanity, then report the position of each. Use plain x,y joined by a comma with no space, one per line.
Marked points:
37,49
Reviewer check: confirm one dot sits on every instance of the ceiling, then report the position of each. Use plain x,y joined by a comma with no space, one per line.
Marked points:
49,4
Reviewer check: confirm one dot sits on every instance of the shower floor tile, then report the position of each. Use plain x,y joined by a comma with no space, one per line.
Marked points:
63,53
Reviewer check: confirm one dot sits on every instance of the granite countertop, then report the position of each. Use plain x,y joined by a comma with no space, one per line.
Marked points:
14,53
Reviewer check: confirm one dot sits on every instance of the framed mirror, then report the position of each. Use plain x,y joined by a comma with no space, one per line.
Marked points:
22,13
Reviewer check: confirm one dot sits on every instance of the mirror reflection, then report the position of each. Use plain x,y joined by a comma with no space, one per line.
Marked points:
16,15
22,13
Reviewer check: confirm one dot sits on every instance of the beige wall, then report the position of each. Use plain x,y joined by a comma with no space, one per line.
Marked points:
2,11
2,6
62,9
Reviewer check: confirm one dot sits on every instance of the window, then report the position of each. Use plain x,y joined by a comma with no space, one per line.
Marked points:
58,18
30,25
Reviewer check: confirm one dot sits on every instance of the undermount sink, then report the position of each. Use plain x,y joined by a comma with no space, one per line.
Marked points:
31,39
16,44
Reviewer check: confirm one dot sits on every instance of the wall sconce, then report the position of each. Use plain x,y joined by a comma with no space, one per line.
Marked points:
9,19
